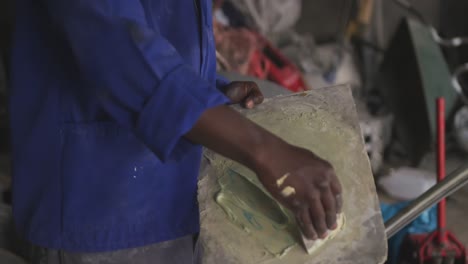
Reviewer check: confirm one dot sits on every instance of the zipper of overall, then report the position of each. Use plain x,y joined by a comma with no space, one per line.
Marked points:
200,28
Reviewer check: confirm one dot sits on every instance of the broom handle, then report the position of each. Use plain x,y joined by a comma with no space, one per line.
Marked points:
441,221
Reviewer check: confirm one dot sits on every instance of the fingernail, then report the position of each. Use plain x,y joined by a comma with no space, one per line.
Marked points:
324,235
334,226
250,104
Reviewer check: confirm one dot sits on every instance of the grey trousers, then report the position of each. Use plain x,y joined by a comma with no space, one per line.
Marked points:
184,250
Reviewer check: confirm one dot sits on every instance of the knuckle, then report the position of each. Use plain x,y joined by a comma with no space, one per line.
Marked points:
339,198
323,181
339,201
336,189
313,196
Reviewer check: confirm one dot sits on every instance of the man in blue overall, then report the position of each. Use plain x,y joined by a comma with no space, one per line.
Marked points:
110,104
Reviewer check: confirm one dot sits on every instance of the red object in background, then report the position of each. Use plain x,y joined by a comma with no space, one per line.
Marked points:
267,62
441,246
246,52
441,223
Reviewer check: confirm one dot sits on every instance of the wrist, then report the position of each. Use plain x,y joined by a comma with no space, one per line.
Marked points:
264,150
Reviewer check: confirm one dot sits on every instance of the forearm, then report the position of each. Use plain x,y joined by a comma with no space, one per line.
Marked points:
228,133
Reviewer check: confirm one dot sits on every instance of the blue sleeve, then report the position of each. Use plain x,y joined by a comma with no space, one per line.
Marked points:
221,81
138,76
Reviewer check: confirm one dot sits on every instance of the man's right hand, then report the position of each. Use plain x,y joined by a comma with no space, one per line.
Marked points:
304,183
300,180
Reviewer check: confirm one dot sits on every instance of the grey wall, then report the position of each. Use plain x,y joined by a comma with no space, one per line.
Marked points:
392,15
324,18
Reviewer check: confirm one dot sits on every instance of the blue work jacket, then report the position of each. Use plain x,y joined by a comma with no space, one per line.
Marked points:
102,94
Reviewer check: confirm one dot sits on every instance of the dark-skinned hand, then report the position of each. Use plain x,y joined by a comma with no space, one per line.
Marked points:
246,94
304,183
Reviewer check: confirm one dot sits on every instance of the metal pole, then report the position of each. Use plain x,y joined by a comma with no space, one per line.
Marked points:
449,185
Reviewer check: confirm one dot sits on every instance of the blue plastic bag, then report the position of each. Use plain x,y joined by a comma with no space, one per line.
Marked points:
425,223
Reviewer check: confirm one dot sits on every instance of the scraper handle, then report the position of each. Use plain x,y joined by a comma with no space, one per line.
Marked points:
441,221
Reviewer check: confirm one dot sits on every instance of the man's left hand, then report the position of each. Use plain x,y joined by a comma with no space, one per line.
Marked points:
245,93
